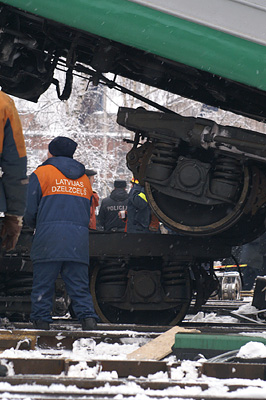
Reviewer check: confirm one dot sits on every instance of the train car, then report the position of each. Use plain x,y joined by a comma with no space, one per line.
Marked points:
204,181
134,278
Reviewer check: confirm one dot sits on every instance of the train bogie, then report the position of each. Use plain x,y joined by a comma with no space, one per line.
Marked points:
134,278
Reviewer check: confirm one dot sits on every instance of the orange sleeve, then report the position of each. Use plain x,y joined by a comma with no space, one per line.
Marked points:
8,111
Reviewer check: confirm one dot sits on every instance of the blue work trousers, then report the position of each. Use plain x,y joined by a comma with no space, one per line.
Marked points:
76,278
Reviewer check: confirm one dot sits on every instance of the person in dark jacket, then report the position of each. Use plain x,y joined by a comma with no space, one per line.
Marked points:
58,207
139,216
112,205
13,162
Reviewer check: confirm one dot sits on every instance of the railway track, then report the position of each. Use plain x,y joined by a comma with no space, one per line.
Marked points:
47,365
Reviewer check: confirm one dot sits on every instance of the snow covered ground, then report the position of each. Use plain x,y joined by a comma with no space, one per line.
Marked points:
86,349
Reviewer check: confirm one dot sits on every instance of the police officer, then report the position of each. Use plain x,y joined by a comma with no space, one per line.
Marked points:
58,206
140,219
112,205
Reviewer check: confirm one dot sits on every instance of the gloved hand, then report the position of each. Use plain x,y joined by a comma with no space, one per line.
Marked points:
12,225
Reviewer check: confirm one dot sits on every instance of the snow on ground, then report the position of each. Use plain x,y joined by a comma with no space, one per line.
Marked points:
86,349
252,350
211,317
245,309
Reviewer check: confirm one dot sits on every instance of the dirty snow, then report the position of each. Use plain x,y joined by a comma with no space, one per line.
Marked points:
85,349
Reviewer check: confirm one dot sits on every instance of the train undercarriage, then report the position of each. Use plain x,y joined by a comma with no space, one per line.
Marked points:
149,279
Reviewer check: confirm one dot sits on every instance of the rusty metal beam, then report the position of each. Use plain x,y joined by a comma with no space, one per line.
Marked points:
55,366
234,370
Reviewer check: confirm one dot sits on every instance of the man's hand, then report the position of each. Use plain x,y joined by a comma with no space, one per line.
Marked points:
122,215
12,225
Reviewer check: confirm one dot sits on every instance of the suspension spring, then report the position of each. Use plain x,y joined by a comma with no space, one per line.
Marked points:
163,162
228,169
113,272
174,274
18,285
165,154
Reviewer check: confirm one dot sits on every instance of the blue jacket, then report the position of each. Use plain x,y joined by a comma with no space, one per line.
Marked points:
58,206
138,211
110,207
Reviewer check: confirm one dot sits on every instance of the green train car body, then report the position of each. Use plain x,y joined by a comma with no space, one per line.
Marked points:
158,32
211,51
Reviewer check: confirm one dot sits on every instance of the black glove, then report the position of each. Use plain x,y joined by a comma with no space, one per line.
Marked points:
12,225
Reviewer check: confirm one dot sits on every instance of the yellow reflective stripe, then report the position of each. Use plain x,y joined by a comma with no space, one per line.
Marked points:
143,196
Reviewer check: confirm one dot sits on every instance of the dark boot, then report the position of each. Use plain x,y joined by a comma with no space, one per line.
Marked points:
88,324
42,325
3,370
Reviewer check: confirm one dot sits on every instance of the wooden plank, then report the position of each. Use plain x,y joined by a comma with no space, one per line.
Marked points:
20,340
159,347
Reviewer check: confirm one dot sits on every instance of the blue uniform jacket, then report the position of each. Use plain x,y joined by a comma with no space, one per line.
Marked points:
138,211
58,206
110,207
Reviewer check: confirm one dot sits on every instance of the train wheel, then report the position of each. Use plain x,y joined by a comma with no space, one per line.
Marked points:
196,219
136,296
240,222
